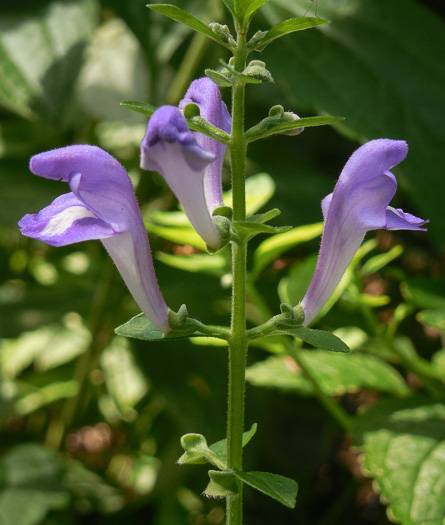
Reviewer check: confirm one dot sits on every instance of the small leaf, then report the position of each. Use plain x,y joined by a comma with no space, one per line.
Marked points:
248,229
275,486
271,248
284,28
197,452
318,338
139,327
140,107
252,8
220,447
177,14
218,78
260,131
222,484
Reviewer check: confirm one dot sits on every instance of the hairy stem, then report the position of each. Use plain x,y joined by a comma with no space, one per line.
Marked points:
238,338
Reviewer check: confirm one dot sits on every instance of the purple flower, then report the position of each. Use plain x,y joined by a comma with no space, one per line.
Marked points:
358,204
101,205
190,162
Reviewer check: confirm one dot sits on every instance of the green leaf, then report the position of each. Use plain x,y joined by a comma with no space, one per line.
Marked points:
140,107
376,263
433,318
426,293
197,452
222,484
32,484
403,450
220,447
139,327
186,235
336,373
253,6
287,26
248,229
230,6
275,486
271,248
215,265
177,14
318,338
364,65
260,131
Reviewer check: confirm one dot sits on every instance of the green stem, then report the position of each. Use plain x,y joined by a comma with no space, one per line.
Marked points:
238,338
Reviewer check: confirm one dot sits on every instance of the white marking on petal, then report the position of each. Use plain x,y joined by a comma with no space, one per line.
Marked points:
61,222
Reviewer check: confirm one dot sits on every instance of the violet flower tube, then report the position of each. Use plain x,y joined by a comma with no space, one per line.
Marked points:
101,205
190,162
358,204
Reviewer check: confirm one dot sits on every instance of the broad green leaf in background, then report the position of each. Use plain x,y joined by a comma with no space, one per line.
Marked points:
41,82
336,373
362,66
403,449
200,263
32,484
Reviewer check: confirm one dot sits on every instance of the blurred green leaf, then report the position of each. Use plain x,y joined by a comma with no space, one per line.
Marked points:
275,486
286,27
39,397
271,248
187,19
433,318
376,263
32,484
43,83
403,450
368,66
215,265
336,373
425,293
46,347
291,289
126,384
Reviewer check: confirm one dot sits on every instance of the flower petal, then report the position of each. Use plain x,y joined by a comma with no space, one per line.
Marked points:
66,221
102,206
95,177
358,204
205,93
170,148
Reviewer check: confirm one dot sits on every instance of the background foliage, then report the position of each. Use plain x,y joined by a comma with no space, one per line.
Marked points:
90,423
